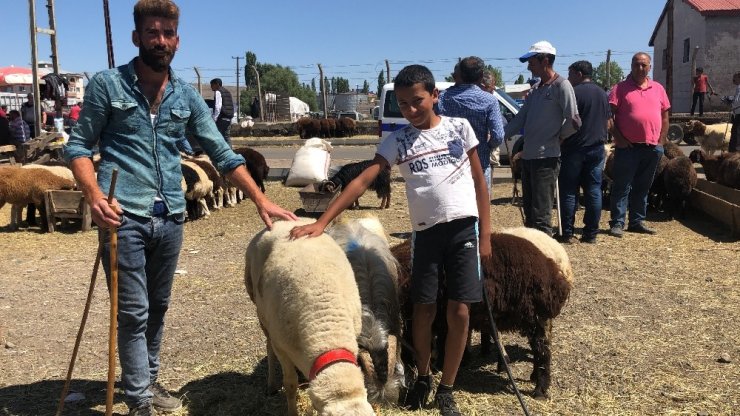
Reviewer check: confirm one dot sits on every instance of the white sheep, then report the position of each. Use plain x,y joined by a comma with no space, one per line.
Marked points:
710,137
376,273
309,308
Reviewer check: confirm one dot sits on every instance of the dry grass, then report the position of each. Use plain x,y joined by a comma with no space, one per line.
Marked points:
646,322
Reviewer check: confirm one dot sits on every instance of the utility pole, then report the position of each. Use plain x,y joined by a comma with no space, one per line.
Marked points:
387,71
608,68
323,89
238,102
669,52
259,94
197,74
108,36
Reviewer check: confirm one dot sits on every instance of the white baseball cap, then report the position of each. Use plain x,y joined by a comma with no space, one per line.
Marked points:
542,46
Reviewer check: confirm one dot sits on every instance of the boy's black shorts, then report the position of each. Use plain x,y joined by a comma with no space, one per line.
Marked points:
446,252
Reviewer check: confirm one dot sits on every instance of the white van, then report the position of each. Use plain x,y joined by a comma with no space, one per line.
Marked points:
391,118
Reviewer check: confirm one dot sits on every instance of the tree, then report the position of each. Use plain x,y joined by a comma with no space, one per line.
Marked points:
313,84
365,87
519,79
615,74
333,88
250,80
381,82
342,85
281,80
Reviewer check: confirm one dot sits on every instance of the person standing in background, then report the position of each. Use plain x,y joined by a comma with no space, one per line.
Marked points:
582,155
223,108
699,85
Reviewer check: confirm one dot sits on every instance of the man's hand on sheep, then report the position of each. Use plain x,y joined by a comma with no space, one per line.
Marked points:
267,209
311,230
106,215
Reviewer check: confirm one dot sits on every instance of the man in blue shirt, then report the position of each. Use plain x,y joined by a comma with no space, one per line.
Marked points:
136,114
479,107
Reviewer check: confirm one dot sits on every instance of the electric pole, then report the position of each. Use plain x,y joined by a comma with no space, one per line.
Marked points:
238,102
608,68
323,90
387,71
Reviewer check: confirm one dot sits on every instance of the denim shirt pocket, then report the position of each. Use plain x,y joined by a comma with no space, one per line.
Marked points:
123,116
178,121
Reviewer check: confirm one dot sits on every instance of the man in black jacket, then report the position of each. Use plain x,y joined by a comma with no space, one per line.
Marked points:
223,108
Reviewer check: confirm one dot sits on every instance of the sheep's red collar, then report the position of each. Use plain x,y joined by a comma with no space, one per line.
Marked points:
328,358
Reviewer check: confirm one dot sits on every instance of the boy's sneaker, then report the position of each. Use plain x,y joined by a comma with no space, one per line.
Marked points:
446,404
417,397
145,410
163,401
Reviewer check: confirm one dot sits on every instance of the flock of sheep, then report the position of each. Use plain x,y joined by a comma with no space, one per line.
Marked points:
336,309
326,127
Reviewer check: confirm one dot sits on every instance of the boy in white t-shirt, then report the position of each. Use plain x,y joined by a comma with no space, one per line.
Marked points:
448,200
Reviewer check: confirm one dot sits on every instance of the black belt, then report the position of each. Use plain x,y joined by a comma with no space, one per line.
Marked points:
651,146
159,209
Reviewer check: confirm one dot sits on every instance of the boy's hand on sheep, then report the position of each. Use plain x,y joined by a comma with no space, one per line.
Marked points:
310,230
106,215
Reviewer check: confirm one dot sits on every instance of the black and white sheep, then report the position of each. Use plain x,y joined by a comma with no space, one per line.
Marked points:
528,282
308,306
376,273
381,185
711,138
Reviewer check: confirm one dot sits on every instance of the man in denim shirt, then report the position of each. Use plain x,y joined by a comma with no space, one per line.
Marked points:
136,114
479,107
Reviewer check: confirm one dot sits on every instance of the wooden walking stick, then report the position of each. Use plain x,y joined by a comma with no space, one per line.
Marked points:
86,312
113,314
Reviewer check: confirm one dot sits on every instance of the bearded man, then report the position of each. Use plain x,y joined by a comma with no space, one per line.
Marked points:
136,114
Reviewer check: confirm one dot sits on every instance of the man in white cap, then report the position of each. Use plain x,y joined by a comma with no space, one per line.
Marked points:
549,115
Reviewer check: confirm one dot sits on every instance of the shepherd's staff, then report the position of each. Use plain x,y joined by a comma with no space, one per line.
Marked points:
112,329
85,313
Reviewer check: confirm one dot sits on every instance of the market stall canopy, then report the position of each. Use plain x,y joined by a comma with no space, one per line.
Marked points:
14,75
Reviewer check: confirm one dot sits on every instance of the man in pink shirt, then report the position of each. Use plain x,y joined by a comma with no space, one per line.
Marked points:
640,113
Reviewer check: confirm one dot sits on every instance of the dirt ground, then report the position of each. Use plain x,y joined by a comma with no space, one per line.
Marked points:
648,329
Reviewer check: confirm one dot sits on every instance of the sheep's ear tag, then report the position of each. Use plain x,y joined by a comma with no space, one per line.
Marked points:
352,245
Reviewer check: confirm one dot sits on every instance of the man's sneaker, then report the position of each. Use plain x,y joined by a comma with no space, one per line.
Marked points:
641,228
446,404
565,239
616,231
163,401
417,397
145,410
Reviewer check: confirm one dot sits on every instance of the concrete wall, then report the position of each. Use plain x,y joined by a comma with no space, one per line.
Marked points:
719,40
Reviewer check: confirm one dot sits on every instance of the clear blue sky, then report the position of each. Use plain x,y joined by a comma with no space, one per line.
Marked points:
350,39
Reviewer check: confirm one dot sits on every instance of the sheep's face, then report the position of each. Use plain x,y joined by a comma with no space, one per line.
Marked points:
384,382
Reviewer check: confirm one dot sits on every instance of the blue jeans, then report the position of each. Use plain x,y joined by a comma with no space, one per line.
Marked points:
148,249
581,168
538,192
634,168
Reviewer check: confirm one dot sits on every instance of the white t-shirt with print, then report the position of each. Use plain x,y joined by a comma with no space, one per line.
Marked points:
436,167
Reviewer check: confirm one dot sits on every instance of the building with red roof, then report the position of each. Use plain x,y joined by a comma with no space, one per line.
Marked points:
708,28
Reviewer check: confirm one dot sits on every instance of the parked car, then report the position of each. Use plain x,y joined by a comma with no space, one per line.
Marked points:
390,118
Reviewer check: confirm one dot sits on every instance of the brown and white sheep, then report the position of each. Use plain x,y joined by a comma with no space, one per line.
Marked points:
198,188
711,138
309,308
20,187
216,178
528,282
376,273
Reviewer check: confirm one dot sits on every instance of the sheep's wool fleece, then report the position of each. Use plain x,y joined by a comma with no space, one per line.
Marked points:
305,293
548,246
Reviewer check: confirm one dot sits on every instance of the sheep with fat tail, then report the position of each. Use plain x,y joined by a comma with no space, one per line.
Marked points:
528,282
309,308
376,273
711,137
20,187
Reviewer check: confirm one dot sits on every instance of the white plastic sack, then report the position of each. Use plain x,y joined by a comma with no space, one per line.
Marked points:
310,163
